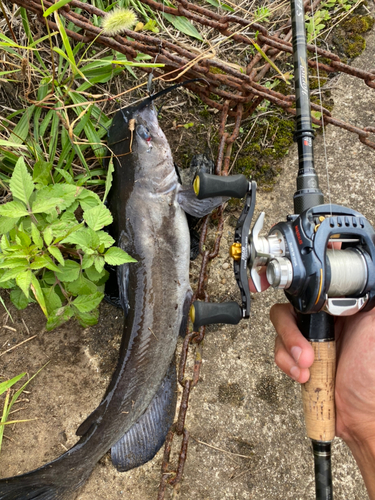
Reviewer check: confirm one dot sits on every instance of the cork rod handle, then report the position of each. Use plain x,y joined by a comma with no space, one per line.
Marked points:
318,394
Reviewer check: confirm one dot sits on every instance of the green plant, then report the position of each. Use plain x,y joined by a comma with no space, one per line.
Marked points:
315,24
47,255
262,14
9,402
330,13
52,246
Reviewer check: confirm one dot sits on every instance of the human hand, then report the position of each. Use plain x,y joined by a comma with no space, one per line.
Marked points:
355,374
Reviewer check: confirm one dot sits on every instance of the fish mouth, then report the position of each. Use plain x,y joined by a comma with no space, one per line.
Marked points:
143,113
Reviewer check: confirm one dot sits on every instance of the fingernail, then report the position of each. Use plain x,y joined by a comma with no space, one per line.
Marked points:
296,353
295,372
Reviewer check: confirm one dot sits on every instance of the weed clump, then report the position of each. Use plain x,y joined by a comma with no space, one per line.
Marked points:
260,158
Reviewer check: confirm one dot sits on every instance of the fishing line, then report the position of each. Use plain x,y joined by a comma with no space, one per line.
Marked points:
321,106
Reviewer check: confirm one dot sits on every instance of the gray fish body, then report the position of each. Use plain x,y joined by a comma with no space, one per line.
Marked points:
148,207
151,226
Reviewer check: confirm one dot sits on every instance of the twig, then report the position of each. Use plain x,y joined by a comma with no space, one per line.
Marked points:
11,349
9,328
153,333
26,328
18,409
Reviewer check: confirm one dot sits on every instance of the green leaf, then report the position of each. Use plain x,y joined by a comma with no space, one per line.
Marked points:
4,386
81,286
44,261
66,175
11,145
48,235
11,262
97,217
94,275
215,3
109,178
44,206
86,319
88,199
69,272
42,172
53,301
66,195
99,263
38,294
21,130
87,261
7,223
19,299
62,228
59,317
35,234
13,209
105,239
151,25
184,25
13,273
69,56
23,280
49,278
21,184
23,238
4,243
55,252
85,238
86,303
115,256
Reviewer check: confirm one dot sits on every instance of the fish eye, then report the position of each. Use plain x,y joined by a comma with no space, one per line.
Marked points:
143,132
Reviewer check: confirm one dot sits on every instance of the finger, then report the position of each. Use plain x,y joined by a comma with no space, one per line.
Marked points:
263,281
288,365
284,320
335,245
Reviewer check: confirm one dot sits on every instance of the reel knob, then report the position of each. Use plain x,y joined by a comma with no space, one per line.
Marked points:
207,185
280,272
210,313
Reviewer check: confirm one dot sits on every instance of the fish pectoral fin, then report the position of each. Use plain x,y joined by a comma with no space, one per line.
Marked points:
145,438
93,419
185,312
198,208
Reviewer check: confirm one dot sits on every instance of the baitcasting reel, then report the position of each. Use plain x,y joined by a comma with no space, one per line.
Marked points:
314,277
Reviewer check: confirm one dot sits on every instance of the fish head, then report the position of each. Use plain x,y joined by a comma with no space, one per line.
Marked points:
138,141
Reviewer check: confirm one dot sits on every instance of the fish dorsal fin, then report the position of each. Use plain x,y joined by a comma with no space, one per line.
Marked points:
144,439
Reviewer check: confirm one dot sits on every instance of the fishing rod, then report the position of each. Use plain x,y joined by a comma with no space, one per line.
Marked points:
320,282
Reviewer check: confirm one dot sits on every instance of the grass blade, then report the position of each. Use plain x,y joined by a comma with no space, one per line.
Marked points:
55,7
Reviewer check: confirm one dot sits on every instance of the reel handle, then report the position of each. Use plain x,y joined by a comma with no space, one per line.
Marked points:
207,185
209,313
318,396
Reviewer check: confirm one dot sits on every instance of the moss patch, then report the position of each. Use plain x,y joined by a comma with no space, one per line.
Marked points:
358,24
259,159
232,394
348,38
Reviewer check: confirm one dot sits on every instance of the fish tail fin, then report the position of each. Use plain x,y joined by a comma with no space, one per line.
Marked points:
56,480
30,488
